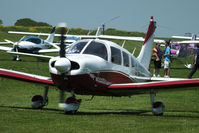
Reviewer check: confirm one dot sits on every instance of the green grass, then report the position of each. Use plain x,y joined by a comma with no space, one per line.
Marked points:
101,115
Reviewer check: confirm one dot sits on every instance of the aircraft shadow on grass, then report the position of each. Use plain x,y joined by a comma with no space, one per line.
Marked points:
122,112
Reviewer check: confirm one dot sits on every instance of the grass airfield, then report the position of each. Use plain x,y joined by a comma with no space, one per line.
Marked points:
102,114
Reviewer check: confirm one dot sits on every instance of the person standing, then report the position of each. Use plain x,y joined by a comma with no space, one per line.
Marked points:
157,53
195,62
167,60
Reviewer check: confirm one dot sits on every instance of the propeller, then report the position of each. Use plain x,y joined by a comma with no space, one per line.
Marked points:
15,47
62,64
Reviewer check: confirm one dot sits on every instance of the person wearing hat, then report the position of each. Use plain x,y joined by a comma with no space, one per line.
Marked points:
157,53
167,60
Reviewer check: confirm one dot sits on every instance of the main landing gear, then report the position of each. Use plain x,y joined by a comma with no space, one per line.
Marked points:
157,107
70,106
38,101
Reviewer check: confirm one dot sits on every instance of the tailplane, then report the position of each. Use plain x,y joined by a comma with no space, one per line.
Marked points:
146,51
51,36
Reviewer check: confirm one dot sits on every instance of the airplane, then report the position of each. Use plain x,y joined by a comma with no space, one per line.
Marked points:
101,68
184,49
31,44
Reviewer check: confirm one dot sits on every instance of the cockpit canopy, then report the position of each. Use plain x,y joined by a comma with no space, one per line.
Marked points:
32,39
92,47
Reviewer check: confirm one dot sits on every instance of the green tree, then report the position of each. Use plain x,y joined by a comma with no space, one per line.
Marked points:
29,22
1,22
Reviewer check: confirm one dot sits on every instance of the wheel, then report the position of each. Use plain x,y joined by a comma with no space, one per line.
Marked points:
37,102
18,59
14,58
158,108
72,105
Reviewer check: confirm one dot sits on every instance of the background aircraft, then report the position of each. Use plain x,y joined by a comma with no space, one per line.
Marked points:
184,49
102,68
31,44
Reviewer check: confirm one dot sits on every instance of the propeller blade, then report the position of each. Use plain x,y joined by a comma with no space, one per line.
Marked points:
62,45
10,41
54,45
62,55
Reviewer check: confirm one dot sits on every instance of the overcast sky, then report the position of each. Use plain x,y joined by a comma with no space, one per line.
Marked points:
174,17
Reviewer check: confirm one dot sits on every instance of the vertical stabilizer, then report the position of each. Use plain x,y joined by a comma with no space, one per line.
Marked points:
146,50
194,37
51,36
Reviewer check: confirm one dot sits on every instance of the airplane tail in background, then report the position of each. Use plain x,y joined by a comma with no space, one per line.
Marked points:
51,36
146,51
193,37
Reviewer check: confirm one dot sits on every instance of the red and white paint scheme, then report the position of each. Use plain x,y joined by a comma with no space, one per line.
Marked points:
102,68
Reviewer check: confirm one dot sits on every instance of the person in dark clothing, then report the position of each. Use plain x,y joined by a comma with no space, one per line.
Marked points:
195,62
157,53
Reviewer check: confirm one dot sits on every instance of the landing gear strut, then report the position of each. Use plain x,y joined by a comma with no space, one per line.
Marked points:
157,107
38,101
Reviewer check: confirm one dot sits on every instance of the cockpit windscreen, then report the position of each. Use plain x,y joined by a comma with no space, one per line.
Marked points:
98,49
77,48
32,39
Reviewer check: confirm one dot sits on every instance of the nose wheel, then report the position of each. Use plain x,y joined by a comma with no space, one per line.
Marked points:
16,58
72,105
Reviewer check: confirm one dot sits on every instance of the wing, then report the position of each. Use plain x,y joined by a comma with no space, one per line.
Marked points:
156,86
127,38
4,43
90,36
28,54
5,48
183,37
48,51
188,42
26,77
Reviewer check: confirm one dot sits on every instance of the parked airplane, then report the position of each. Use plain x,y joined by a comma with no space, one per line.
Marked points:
31,44
102,68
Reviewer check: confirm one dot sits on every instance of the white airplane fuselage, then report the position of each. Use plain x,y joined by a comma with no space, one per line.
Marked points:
93,67
32,45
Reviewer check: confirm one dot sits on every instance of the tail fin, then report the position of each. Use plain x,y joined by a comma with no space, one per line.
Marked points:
51,36
146,51
99,30
193,37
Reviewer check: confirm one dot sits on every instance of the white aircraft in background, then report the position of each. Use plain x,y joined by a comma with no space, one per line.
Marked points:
184,48
102,68
31,44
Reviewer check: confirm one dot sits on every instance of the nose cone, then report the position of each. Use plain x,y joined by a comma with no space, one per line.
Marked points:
63,65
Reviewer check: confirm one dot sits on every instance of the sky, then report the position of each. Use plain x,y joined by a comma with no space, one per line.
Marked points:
173,17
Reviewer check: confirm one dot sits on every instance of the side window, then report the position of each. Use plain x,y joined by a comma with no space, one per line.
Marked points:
125,59
98,49
132,62
115,55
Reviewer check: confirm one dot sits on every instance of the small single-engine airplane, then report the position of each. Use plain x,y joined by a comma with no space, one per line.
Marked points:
184,49
31,44
102,68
